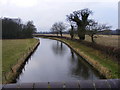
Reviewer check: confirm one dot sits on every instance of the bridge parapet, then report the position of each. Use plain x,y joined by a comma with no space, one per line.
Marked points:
110,84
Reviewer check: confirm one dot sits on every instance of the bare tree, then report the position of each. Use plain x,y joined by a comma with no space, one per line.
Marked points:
93,28
54,29
61,27
81,19
72,28
58,27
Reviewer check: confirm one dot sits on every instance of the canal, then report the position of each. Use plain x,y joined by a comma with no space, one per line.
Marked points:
53,61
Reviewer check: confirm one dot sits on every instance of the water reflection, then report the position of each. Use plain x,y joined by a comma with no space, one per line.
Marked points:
80,68
54,61
72,54
58,48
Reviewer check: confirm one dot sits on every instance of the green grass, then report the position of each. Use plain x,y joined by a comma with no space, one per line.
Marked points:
13,50
96,56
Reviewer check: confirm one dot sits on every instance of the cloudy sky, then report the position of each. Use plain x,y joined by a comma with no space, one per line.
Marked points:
44,13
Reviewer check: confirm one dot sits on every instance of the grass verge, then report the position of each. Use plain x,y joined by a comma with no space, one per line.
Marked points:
104,65
14,53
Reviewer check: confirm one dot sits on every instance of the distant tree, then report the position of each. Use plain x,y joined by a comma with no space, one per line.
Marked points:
81,19
13,29
30,29
93,28
117,31
105,32
54,29
61,27
58,27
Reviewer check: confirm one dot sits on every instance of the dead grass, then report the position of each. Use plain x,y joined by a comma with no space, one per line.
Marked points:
107,40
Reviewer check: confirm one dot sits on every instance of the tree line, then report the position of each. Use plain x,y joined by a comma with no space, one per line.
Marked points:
15,29
80,24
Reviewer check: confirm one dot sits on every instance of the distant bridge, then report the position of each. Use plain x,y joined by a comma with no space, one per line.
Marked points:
109,84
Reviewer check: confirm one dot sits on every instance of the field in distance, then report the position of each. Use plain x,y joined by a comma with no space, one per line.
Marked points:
107,40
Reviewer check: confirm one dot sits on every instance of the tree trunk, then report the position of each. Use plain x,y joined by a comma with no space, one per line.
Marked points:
81,33
92,38
72,32
71,36
61,33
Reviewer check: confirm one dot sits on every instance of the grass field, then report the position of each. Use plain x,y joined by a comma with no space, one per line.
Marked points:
13,50
105,65
107,40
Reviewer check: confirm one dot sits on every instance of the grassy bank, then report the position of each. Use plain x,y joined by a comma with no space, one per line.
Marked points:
14,52
105,65
106,40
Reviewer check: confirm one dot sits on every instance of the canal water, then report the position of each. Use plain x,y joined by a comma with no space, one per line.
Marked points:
53,61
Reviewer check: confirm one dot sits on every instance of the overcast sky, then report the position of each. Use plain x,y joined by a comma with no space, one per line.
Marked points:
44,13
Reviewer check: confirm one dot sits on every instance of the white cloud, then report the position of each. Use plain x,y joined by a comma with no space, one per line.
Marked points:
3,2
80,0
19,3
24,3
46,12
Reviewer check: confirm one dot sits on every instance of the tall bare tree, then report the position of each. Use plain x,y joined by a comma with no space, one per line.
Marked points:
81,19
